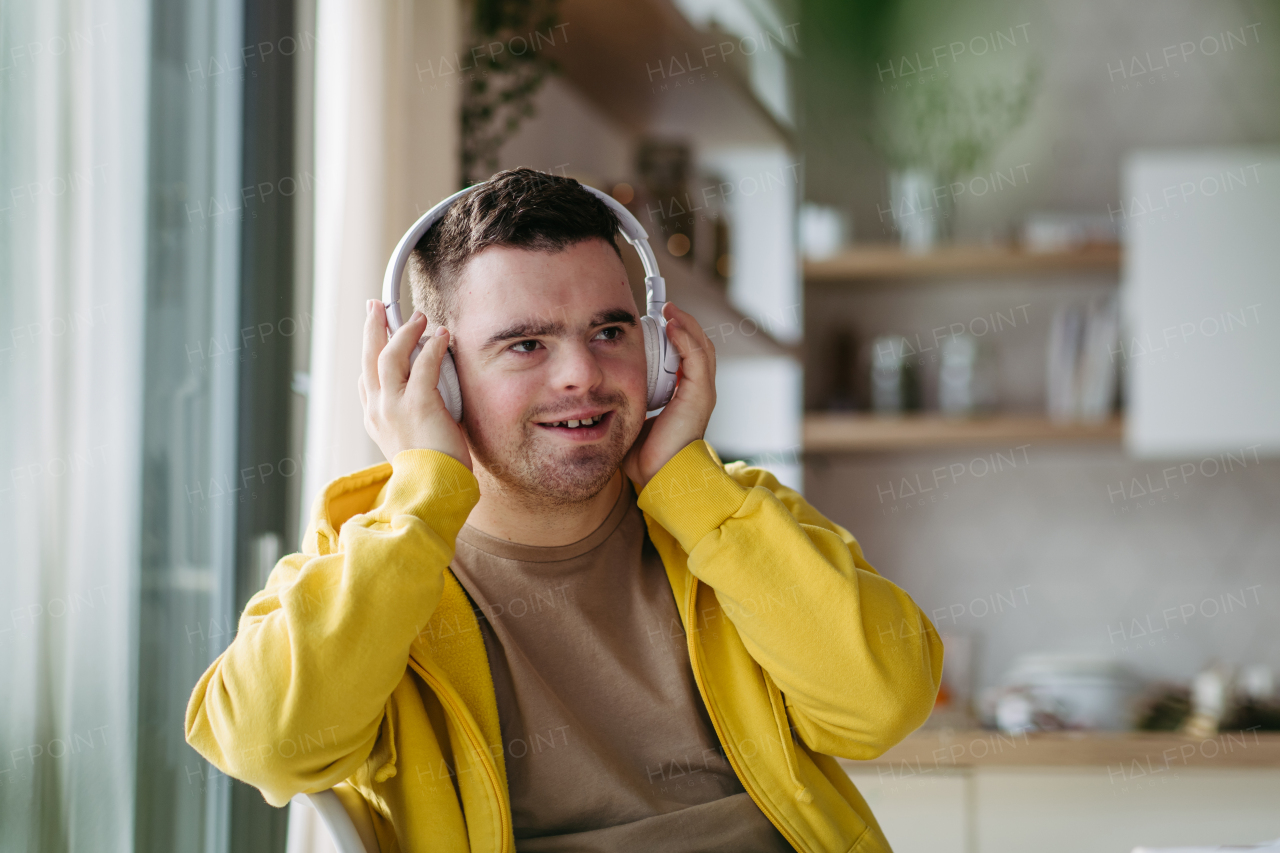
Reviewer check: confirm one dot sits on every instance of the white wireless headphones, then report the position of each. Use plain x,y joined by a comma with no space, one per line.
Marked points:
661,359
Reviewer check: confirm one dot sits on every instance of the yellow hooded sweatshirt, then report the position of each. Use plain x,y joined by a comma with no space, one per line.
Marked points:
361,664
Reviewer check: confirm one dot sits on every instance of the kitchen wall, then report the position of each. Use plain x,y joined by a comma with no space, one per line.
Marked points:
1041,549
1165,566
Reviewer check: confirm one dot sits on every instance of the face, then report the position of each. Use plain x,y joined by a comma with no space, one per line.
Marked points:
544,341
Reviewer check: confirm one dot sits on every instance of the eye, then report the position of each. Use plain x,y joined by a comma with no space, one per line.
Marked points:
612,333
524,346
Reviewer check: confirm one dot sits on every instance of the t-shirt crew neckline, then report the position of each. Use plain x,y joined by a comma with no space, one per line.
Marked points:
501,548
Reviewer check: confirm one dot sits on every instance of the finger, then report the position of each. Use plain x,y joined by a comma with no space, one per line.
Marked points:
695,349
691,325
364,398
708,345
694,362
375,338
393,363
425,374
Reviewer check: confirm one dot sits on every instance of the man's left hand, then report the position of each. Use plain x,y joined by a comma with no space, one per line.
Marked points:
684,419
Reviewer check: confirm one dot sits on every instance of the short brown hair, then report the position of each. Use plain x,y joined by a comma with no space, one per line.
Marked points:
522,208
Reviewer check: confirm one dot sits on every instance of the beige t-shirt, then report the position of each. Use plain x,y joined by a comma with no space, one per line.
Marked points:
607,743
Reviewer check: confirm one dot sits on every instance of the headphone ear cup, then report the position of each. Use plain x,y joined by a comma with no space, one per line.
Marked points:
652,357
449,389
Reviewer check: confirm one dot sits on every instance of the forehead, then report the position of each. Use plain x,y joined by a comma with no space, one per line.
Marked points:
502,284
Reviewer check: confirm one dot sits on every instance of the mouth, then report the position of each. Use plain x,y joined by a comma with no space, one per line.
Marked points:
587,426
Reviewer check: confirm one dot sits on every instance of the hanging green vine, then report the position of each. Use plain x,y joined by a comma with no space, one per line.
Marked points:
509,38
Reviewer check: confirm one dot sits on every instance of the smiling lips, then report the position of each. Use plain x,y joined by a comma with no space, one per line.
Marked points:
575,423
581,429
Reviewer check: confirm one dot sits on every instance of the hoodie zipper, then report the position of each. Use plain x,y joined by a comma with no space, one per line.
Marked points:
491,771
696,663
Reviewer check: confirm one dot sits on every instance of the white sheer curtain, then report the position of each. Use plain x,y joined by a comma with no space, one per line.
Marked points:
387,144
73,141
386,150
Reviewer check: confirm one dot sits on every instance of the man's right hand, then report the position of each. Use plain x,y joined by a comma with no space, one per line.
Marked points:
403,409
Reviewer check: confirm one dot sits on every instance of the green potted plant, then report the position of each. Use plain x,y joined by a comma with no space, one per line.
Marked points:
933,133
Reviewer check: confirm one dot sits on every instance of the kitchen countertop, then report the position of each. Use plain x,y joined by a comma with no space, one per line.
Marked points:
929,749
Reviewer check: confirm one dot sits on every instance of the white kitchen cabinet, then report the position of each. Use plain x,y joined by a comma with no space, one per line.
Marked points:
1070,809
1073,809
1201,287
766,435
919,814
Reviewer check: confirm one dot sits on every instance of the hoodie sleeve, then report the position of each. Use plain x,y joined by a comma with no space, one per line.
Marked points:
296,702
859,664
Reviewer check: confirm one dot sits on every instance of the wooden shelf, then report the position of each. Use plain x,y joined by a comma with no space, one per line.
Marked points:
868,263
619,55
860,432
936,750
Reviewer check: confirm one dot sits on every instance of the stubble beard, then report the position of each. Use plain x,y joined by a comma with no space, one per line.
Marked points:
541,471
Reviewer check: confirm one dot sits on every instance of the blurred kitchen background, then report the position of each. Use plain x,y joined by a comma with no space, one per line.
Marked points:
993,283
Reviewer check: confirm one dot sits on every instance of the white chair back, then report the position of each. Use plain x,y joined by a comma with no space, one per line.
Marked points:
334,816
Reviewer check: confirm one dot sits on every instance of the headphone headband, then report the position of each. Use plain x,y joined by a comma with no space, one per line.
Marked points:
630,228
662,361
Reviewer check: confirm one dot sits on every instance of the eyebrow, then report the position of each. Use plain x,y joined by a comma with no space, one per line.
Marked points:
548,328
525,329
614,315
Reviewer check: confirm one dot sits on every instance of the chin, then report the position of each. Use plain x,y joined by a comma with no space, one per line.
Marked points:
576,475
546,470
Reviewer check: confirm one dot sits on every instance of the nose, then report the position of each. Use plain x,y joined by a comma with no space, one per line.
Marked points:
575,368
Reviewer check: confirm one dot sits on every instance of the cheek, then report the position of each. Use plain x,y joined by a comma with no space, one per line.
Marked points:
627,372
495,403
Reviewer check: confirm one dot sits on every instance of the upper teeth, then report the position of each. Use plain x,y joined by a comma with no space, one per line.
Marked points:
582,422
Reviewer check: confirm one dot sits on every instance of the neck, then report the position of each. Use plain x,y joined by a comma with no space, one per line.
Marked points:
532,520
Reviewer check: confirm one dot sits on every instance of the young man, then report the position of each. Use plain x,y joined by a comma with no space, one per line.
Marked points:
556,626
